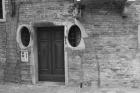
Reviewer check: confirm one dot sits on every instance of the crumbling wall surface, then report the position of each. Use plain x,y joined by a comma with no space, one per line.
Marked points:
12,68
2,49
111,54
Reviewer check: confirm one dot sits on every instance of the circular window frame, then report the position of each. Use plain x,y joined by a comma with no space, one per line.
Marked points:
79,43
18,38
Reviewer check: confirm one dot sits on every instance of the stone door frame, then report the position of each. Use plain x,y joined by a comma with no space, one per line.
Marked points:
34,53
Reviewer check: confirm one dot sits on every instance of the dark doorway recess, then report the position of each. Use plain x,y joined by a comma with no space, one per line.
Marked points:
51,53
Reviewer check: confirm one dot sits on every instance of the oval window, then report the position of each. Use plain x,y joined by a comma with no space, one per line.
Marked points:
74,36
25,36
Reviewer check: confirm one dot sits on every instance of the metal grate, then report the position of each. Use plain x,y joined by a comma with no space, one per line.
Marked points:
74,36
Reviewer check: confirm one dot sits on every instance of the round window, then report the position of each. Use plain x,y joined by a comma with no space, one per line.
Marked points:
25,36
74,36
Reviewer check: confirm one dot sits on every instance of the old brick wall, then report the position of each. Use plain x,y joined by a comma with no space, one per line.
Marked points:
111,45
110,57
3,47
55,12
2,50
12,68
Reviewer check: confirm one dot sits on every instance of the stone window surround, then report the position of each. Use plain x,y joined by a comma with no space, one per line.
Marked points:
4,12
81,45
18,38
74,40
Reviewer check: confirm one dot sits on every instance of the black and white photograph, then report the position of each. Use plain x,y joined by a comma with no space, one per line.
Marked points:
69,46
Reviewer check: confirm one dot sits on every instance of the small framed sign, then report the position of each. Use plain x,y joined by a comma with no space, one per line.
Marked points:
24,56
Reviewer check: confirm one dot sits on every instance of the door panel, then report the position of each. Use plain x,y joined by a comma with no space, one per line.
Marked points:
51,53
44,57
43,50
59,64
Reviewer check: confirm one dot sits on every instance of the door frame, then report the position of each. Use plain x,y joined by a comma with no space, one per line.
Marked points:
34,53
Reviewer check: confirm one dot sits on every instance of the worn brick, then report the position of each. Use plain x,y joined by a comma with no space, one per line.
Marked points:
111,45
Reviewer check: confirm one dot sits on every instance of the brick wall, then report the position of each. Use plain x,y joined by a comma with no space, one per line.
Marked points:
12,69
111,45
30,13
2,50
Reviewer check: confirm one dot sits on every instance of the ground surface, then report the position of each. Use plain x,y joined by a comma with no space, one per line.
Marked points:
43,88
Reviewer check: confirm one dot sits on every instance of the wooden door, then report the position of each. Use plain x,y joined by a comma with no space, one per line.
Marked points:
51,53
